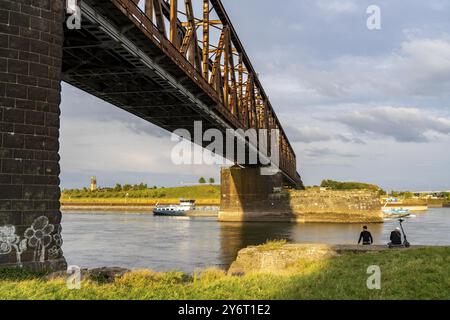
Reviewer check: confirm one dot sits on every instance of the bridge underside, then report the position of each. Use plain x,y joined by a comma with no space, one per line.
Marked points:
114,60
120,65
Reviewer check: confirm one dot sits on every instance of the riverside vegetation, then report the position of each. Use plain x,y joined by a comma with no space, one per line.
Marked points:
141,194
411,274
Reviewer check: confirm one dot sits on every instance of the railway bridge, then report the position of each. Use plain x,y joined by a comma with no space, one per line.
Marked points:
173,63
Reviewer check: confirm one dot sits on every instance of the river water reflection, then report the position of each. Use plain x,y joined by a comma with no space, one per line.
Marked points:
161,243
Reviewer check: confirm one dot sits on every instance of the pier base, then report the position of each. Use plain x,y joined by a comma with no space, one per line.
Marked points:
246,195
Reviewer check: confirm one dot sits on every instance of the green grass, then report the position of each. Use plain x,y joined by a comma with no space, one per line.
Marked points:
272,245
205,193
188,192
412,274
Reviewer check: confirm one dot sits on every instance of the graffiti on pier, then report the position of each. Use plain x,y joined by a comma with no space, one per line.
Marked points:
42,237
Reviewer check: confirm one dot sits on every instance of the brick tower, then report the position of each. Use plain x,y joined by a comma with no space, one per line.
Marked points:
31,39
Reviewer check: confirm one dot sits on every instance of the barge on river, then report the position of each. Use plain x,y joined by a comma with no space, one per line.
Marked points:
175,210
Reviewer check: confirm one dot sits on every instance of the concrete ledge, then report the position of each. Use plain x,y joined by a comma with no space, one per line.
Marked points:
275,259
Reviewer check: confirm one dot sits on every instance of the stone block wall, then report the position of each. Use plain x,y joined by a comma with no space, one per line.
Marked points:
358,206
246,195
31,39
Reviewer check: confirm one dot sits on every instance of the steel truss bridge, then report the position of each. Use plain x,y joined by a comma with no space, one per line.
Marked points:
172,63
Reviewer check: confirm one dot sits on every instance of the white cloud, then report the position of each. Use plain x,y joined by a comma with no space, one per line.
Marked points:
327,152
419,68
308,134
402,124
338,6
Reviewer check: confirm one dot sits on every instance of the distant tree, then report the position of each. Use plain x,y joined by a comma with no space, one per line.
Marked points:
118,187
408,195
212,181
336,185
202,180
127,187
395,194
142,186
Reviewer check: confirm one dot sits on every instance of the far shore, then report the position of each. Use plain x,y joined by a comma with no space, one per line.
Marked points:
209,208
129,203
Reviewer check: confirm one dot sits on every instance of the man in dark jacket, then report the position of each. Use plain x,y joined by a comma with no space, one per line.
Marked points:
396,237
365,237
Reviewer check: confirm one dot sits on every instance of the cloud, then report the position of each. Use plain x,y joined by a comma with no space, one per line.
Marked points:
337,6
307,134
416,71
402,124
316,134
327,152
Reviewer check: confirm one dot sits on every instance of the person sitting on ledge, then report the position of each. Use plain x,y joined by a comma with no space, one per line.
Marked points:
396,237
365,237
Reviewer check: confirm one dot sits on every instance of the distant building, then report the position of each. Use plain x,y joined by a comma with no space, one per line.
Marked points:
93,186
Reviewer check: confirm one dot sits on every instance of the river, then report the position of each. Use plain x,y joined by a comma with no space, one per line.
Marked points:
187,244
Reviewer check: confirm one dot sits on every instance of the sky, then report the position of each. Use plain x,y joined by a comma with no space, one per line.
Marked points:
357,104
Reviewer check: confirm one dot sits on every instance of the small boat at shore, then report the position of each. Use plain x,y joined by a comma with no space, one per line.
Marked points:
399,213
395,212
175,210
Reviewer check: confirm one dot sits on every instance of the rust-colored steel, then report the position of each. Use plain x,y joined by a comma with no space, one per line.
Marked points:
210,62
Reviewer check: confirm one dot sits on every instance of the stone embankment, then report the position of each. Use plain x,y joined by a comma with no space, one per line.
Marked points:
330,206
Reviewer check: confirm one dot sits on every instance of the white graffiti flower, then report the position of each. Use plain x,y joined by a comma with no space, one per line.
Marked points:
54,252
8,238
58,238
39,236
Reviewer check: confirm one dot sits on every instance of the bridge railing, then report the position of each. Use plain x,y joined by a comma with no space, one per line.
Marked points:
211,54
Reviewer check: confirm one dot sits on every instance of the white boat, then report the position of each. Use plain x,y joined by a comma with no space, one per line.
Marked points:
174,210
395,212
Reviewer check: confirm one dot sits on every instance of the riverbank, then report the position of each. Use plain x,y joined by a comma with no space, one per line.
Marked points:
428,203
406,274
122,205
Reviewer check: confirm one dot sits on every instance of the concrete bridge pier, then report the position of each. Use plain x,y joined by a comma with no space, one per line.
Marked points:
247,196
31,40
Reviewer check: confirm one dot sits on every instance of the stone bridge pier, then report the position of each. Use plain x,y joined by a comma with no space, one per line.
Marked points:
247,195
31,39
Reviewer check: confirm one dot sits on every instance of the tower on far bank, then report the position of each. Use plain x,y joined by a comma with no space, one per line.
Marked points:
93,186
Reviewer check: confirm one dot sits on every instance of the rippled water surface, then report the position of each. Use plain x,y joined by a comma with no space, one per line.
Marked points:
164,243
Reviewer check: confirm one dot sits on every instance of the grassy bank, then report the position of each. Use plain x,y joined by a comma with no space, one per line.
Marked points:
412,274
204,195
114,202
